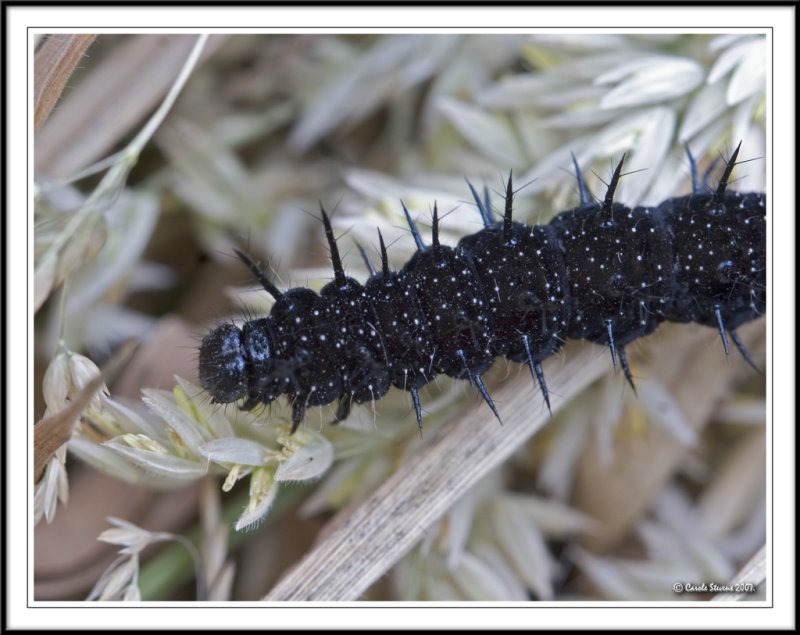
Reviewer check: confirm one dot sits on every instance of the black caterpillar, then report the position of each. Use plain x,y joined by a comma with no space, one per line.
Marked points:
601,271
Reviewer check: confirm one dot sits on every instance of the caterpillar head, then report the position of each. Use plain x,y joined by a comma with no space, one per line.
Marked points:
230,358
223,364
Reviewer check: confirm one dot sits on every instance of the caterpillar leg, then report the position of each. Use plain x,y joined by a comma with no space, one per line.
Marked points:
417,408
344,408
611,345
298,412
476,379
722,331
537,373
740,345
249,404
623,360
486,397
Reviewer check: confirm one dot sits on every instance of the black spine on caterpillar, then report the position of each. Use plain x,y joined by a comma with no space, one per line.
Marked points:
601,271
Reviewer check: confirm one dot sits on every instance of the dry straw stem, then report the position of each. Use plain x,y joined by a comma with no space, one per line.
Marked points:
367,543
754,572
51,433
54,64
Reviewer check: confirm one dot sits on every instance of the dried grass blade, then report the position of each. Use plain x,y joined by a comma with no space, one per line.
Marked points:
754,572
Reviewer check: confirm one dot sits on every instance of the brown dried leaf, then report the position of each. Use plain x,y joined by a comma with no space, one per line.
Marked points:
55,61
51,433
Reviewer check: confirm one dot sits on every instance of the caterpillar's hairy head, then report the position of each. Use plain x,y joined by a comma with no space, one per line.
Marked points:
223,364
